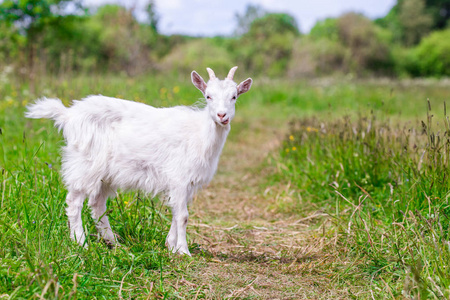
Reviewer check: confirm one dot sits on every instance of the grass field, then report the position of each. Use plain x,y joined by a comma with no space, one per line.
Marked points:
326,189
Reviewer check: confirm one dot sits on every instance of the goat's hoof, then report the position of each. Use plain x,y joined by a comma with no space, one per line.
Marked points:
81,241
182,251
171,243
83,244
171,247
112,244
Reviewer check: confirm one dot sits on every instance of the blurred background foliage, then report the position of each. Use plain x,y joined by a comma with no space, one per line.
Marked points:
61,37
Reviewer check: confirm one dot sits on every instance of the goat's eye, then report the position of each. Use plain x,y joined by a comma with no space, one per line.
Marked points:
208,97
234,98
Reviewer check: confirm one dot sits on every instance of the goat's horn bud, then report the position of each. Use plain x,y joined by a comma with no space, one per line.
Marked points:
211,73
231,73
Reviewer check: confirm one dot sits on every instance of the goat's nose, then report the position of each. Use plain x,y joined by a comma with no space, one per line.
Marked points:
221,116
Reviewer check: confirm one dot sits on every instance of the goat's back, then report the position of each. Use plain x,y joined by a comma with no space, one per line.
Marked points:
131,145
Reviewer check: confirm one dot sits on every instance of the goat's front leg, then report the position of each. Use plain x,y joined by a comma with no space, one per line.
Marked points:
171,240
176,239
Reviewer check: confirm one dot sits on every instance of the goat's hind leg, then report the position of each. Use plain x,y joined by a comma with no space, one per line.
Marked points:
75,200
97,203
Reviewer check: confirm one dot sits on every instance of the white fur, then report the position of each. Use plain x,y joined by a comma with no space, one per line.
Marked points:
113,143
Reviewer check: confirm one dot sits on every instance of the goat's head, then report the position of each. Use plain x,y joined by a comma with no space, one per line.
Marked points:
221,95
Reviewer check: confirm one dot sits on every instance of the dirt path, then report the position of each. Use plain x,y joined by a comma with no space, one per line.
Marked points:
245,249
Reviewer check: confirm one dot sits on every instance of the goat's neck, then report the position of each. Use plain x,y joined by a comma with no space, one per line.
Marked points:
215,136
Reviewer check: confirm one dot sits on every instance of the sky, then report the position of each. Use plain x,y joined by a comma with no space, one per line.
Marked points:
218,17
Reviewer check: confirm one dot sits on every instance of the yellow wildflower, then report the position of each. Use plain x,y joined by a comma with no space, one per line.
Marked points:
309,129
294,148
176,89
9,101
126,202
287,150
291,137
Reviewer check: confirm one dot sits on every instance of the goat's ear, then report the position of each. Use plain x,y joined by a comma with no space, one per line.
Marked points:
198,81
244,86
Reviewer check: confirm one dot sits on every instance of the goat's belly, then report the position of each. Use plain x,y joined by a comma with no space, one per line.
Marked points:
136,175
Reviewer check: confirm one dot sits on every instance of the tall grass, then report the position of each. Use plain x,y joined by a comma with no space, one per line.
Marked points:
386,186
37,257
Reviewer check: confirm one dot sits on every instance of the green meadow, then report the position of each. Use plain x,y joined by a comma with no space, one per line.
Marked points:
365,161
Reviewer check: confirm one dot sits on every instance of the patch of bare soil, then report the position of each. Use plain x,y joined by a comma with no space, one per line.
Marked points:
245,249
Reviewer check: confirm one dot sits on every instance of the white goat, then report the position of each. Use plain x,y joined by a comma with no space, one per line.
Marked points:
114,143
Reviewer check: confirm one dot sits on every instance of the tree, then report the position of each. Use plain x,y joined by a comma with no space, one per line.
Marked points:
391,23
125,44
368,44
267,46
410,20
274,23
153,16
415,21
244,21
11,42
440,11
72,45
431,55
327,28
33,16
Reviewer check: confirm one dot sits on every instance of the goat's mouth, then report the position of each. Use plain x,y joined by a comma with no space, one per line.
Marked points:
225,122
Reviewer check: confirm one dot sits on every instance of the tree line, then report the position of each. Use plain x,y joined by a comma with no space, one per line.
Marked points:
59,37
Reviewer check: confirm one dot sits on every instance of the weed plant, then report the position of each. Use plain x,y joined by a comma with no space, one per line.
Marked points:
386,186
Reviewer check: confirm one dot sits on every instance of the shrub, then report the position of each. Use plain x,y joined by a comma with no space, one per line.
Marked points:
125,44
368,44
11,42
315,57
327,29
350,43
266,48
198,54
431,56
111,39
69,45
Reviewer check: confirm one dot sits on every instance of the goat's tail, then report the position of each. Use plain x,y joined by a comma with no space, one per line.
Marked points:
47,108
